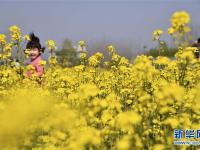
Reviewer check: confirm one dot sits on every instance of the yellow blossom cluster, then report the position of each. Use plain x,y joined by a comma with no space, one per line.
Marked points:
157,33
15,33
128,105
179,21
51,45
117,104
81,43
2,39
180,28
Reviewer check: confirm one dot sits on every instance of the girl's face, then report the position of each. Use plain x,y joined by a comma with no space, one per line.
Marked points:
34,53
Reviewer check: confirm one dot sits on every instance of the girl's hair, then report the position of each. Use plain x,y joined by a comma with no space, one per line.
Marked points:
198,40
34,43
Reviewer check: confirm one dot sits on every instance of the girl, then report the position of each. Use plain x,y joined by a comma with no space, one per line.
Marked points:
35,55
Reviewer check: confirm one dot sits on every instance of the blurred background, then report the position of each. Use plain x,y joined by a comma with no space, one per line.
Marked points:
127,24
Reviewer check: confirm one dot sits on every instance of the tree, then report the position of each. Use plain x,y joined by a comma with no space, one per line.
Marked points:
67,56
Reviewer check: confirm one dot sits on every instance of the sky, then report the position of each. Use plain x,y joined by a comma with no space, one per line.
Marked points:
121,22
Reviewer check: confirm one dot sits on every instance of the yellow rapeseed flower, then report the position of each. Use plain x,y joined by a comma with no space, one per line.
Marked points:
15,33
51,45
2,39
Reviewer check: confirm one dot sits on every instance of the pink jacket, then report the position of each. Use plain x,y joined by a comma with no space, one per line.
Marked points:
39,70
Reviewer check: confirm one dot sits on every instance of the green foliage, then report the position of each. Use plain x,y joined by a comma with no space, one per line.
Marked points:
164,51
67,56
